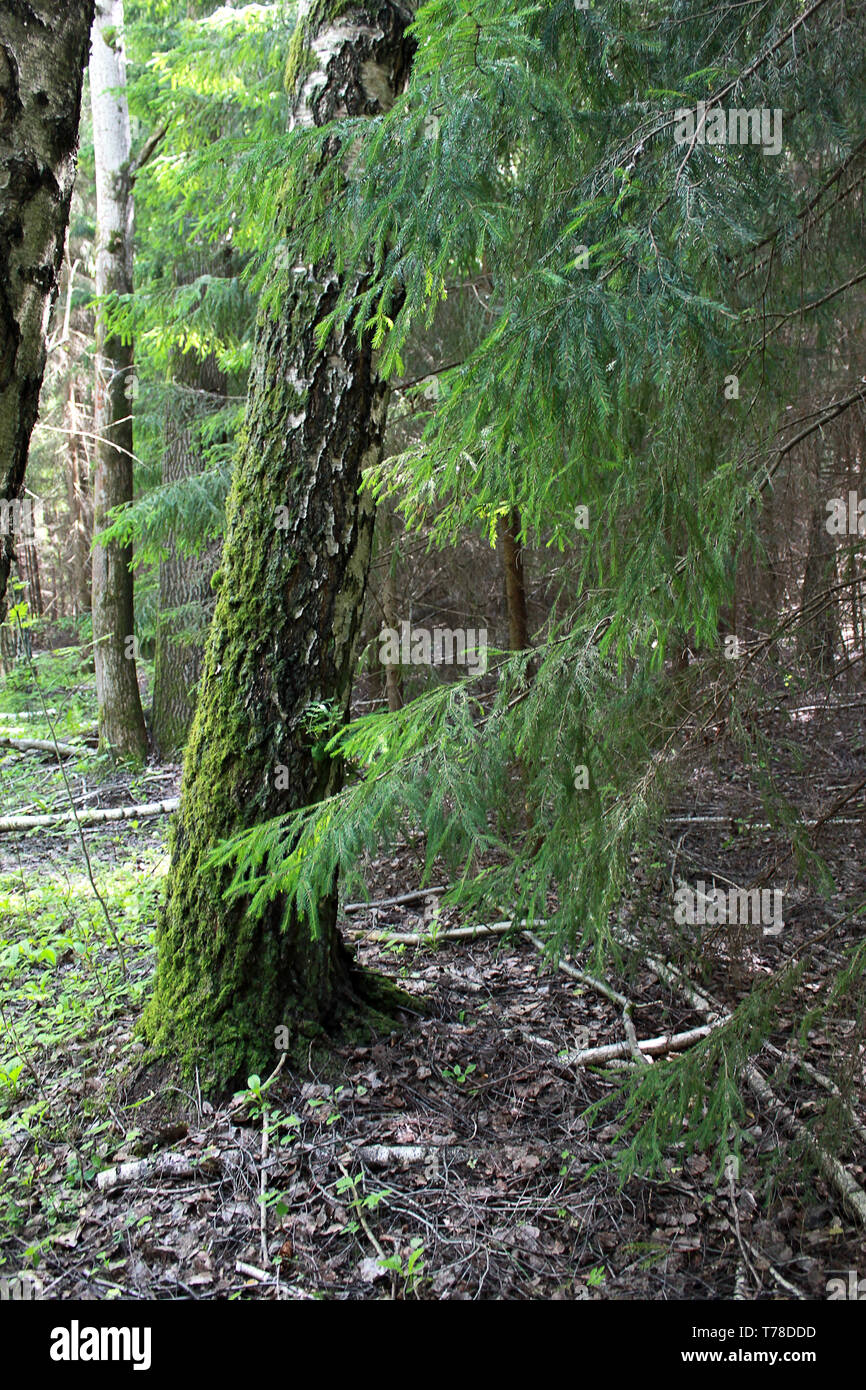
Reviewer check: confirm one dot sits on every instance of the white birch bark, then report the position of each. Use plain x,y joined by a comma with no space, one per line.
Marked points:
121,722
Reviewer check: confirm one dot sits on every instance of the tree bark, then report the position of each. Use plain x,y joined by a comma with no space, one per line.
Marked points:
819,630
515,584
290,590
43,50
80,531
30,570
393,673
121,721
184,580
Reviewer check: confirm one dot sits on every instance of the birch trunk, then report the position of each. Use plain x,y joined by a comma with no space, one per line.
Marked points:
121,722
287,613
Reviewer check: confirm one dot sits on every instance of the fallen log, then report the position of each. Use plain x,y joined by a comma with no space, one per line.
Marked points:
652,1047
43,745
159,1166
385,1155
110,813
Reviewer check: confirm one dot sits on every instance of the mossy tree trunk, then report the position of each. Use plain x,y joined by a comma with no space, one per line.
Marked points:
289,593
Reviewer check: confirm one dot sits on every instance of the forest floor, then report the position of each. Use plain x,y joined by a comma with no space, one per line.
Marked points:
454,1159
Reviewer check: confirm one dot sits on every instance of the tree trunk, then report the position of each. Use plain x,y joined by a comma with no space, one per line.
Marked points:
78,544
31,574
515,585
393,672
184,580
290,590
819,630
121,722
43,50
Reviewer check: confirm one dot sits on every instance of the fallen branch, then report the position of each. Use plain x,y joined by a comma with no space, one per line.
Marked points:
853,1196
73,812
608,992
651,1047
42,745
416,938
111,813
385,1155
825,1081
779,1278
160,1166
261,1276
362,1220
395,902
756,824
263,1177
637,1051
711,1010
747,1263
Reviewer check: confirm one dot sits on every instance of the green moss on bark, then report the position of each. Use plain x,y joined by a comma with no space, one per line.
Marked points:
289,600
282,637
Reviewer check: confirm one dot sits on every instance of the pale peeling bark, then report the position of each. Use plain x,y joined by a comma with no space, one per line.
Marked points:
43,51
121,721
290,591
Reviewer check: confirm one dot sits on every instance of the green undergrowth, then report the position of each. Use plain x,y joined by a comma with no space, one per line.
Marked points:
75,962
64,1000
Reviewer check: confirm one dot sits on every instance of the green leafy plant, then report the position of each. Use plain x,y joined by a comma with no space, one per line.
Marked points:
459,1075
410,1269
